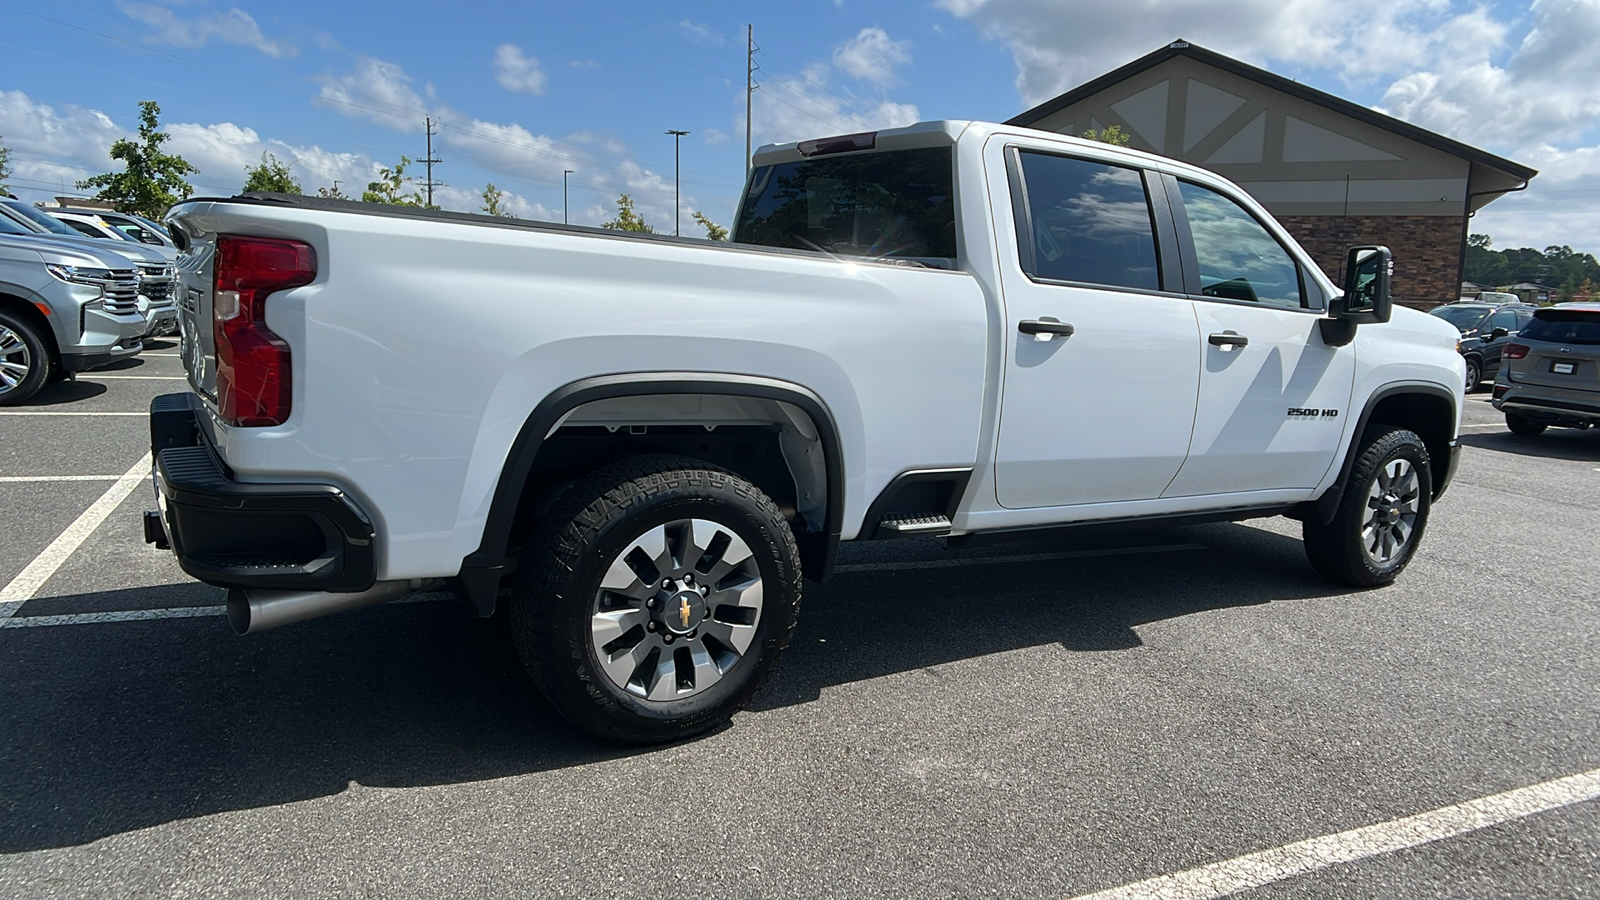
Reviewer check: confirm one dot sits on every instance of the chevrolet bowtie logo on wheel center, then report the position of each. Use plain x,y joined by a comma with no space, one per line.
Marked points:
684,609
681,612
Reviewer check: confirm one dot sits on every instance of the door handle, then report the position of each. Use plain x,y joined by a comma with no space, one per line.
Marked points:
1046,326
1228,340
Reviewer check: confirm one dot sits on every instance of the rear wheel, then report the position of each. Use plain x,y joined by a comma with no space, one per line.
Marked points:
24,362
1526,427
1380,518
657,599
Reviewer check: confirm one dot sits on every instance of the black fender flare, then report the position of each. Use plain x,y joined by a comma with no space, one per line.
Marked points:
1326,505
482,569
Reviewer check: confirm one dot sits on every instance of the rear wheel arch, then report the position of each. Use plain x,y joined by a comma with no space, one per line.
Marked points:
522,489
1429,410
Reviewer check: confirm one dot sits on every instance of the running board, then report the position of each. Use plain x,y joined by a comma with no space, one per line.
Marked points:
917,526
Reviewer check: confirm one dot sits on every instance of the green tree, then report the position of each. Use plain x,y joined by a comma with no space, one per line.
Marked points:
5,167
1111,134
151,181
388,188
714,232
271,175
494,202
627,219
332,193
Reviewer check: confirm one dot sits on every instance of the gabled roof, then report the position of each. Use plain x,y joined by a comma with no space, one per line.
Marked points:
1182,48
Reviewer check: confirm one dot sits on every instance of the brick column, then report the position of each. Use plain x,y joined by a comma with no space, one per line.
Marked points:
1427,250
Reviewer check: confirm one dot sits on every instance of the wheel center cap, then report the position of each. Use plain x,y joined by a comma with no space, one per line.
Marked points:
682,612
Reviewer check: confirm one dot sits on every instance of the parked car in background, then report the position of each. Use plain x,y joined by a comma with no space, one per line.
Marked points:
133,227
65,307
154,265
1551,374
1484,326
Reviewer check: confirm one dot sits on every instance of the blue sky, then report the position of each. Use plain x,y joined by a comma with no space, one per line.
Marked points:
522,91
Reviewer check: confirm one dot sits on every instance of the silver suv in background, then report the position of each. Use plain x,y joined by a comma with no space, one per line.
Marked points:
1551,371
64,308
154,263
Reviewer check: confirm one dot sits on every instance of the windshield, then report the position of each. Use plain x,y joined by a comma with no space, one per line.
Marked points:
1464,318
898,204
1564,326
47,222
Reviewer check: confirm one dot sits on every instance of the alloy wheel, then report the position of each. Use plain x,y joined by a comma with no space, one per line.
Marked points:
677,609
1393,502
15,360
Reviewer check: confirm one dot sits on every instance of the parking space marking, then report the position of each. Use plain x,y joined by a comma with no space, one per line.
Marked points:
52,412
1016,558
30,479
130,615
98,377
1495,425
29,580
1302,857
174,355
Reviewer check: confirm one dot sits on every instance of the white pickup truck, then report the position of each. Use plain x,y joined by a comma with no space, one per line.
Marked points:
641,443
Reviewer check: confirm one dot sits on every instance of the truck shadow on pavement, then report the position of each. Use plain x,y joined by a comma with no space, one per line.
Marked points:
110,728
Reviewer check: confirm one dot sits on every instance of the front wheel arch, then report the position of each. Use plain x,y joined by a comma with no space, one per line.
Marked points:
1424,408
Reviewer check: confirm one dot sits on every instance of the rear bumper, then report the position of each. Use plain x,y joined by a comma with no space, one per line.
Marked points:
1552,405
305,537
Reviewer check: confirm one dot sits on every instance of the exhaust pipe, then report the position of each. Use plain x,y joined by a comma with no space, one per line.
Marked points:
253,611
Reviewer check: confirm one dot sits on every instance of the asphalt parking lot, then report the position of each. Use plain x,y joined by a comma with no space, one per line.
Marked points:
1042,719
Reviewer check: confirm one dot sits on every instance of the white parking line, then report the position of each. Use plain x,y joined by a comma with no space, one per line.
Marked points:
161,354
1301,857
1493,426
1016,558
52,412
136,377
30,479
30,579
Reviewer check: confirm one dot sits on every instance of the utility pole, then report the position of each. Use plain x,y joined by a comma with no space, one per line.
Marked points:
429,161
749,90
564,174
336,183
676,136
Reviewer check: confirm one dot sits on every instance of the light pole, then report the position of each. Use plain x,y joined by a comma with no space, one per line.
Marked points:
564,174
676,137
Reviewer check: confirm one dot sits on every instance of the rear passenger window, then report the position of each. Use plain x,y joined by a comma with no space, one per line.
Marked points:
1089,222
1505,318
1239,259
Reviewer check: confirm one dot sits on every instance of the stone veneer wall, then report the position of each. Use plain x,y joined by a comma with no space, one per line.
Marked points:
1427,250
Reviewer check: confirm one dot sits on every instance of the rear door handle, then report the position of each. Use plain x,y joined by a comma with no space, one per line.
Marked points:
1228,339
1046,326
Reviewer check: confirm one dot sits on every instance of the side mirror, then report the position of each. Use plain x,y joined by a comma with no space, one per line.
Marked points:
1366,298
1496,334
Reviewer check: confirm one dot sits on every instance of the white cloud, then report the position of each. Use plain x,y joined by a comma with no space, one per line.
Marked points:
872,56
192,28
517,73
376,90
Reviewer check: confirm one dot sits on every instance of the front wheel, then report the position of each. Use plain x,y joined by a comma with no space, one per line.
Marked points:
1380,519
1474,374
657,599
24,361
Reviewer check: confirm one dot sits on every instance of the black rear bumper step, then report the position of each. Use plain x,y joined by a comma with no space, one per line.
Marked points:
240,535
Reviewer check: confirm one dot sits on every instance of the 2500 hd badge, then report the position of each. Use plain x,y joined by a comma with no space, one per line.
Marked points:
1296,412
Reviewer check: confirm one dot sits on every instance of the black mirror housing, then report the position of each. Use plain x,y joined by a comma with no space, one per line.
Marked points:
1366,299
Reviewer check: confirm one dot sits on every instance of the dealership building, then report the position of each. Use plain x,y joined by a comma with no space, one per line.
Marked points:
1333,172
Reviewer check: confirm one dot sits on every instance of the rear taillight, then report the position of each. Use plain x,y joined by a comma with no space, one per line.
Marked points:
1500,390
1515,351
253,381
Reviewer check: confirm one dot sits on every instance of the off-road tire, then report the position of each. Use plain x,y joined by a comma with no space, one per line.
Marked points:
37,355
594,520
1522,426
1335,549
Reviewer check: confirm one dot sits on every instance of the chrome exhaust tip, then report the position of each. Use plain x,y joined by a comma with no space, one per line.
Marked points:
253,611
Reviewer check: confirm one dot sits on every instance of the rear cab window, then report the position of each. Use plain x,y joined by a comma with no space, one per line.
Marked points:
1086,222
892,204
